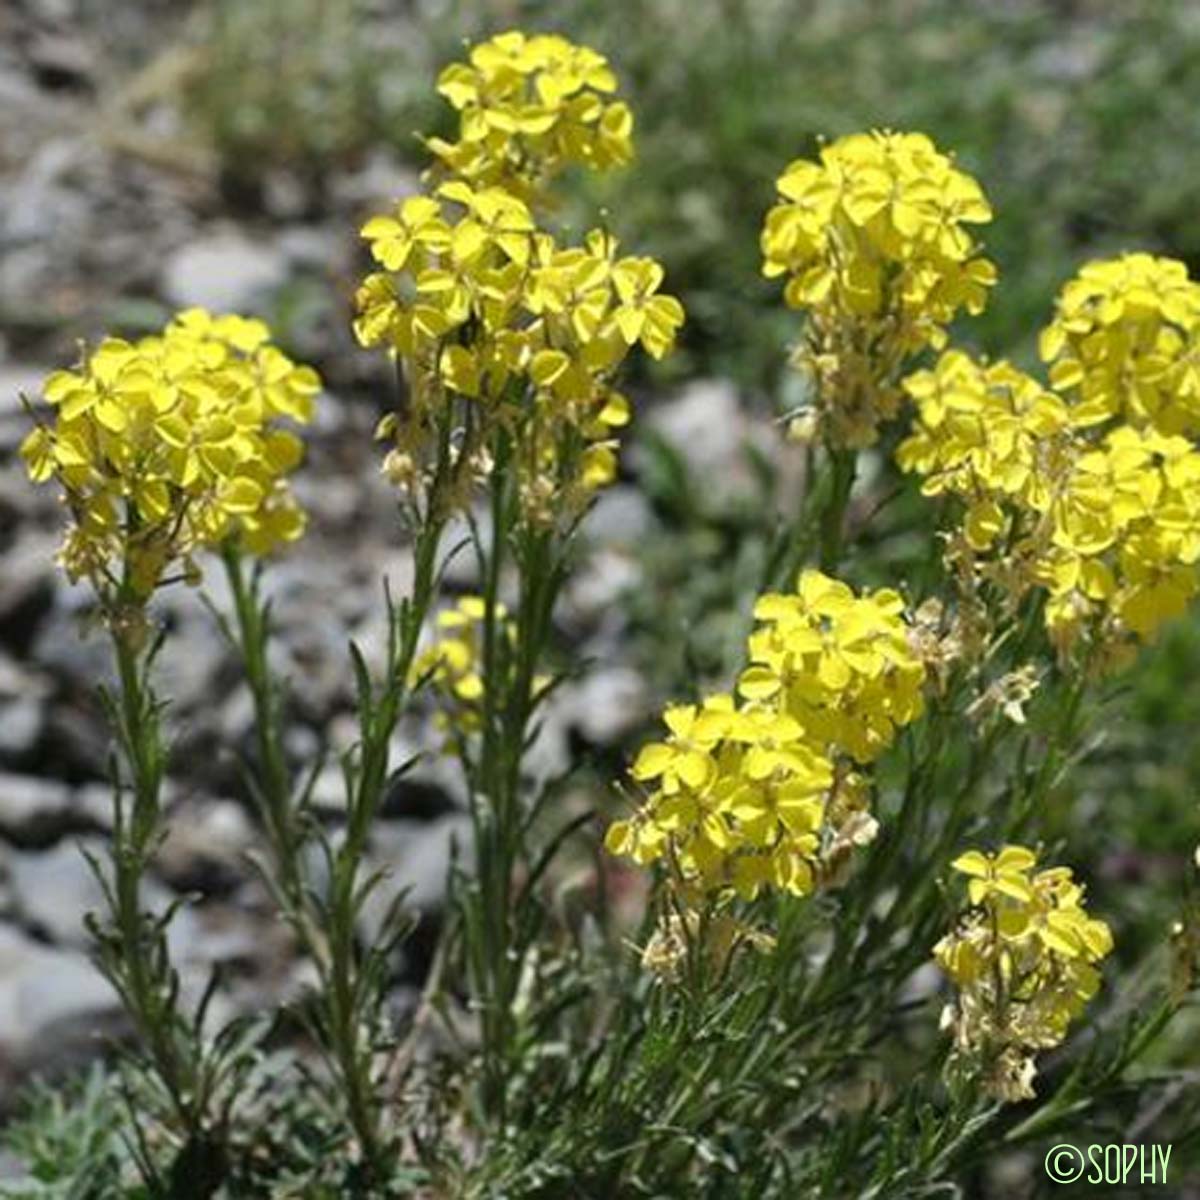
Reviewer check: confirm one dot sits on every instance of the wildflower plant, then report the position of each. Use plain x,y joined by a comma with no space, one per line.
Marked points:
163,449
166,447
1024,958
508,344
875,241
529,107
795,840
769,792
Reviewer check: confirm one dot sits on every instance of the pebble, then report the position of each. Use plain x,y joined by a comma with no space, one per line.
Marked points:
224,271
708,427
607,704
416,855
205,846
26,587
54,1004
54,889
33,810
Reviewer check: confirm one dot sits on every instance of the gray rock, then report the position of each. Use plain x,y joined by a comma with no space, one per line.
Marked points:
331,502
225,271
53,1004
706,425
61,58
190,659
433,783
329,790
69,647
379,183
26,269
315,247
594,590
26,587
40,203
205,846
80,738
201,937
606,704
417,855
7,900
701,422
21,721
549,754
54,889
93,803
32,810
621,516
237,716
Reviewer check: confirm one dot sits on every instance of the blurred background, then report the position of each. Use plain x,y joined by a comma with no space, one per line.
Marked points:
156,154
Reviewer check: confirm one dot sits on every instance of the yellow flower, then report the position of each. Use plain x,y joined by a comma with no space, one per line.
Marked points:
1024,964
841,665
640,314
482,306
685,760
528,108
1124,342
751,792
167,446
1005,873
874,243
1104,515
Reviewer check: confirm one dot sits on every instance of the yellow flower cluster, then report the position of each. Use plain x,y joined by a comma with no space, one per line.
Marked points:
528,107
1023,958
500,329
1125,342
169,445
1107,521
713,939
453,664
756,791
874,242
842,665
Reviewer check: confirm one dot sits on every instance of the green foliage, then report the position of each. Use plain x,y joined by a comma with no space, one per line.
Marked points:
813,1067
70,1141
306,86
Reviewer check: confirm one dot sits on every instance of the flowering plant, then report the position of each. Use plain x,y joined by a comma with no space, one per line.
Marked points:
793,842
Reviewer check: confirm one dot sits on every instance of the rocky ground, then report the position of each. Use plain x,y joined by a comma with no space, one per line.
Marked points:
98,229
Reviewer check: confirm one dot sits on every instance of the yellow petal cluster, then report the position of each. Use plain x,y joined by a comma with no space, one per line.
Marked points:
169,445
760,790
530,107
453,666
1125,342
1023,958
500,329
842,665
453,663
1105,518
874,240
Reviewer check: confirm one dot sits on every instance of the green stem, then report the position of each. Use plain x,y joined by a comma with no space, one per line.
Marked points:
274,782
133,948
351,993
843,465
493,818
502,919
